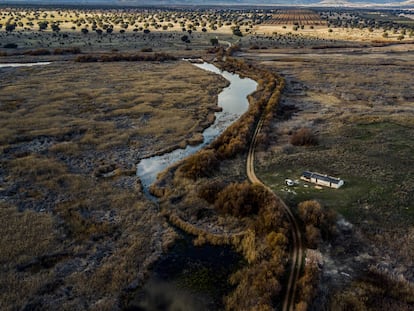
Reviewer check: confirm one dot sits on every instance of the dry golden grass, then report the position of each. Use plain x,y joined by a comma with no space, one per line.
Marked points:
23,237
18,245
113,104
126,29
68,18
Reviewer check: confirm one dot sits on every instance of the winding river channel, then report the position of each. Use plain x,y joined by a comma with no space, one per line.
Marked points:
233,101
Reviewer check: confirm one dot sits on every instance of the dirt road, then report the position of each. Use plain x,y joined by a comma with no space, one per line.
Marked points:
296,249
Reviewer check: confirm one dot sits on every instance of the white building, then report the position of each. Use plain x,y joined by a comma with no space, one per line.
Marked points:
322,180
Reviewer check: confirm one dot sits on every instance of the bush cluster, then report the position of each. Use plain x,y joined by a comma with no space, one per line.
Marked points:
10,46
201,164
319,222
308,286
375,290
38,52
42,51
210,189
304,137
240,199
63,51
263,246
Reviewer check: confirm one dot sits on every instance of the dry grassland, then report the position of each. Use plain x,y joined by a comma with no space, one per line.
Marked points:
106,106
77,230
126,20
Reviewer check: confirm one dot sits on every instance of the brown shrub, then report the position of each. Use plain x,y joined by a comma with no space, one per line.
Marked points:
72,50
271,216
311,212
313,236
240,199
257,286
38,52
201,164
209,190
376,290
233,49
319,222
304,137
235,139
308,283
116,57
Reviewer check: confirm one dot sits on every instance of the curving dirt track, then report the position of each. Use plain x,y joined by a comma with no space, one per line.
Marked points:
296,250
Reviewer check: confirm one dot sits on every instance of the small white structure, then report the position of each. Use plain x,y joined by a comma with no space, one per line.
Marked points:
289,182
322,180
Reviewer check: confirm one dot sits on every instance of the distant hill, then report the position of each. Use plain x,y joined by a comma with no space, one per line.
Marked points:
333,3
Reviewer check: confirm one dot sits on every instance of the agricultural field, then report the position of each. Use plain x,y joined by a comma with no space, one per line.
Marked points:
350,25
296,17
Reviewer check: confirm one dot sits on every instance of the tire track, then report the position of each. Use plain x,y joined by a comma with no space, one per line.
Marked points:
296,251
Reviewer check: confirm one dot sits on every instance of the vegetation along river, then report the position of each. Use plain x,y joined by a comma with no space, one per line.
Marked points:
190,277
232,100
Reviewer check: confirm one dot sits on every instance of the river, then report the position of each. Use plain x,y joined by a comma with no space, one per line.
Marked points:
4,65
233,101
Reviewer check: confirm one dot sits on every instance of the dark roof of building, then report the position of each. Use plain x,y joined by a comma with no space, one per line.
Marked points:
319,176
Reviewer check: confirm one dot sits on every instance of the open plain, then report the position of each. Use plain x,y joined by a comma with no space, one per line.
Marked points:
360,105
334,96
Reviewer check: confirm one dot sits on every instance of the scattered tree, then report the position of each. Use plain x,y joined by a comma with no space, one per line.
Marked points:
214,41
10,46
10,27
